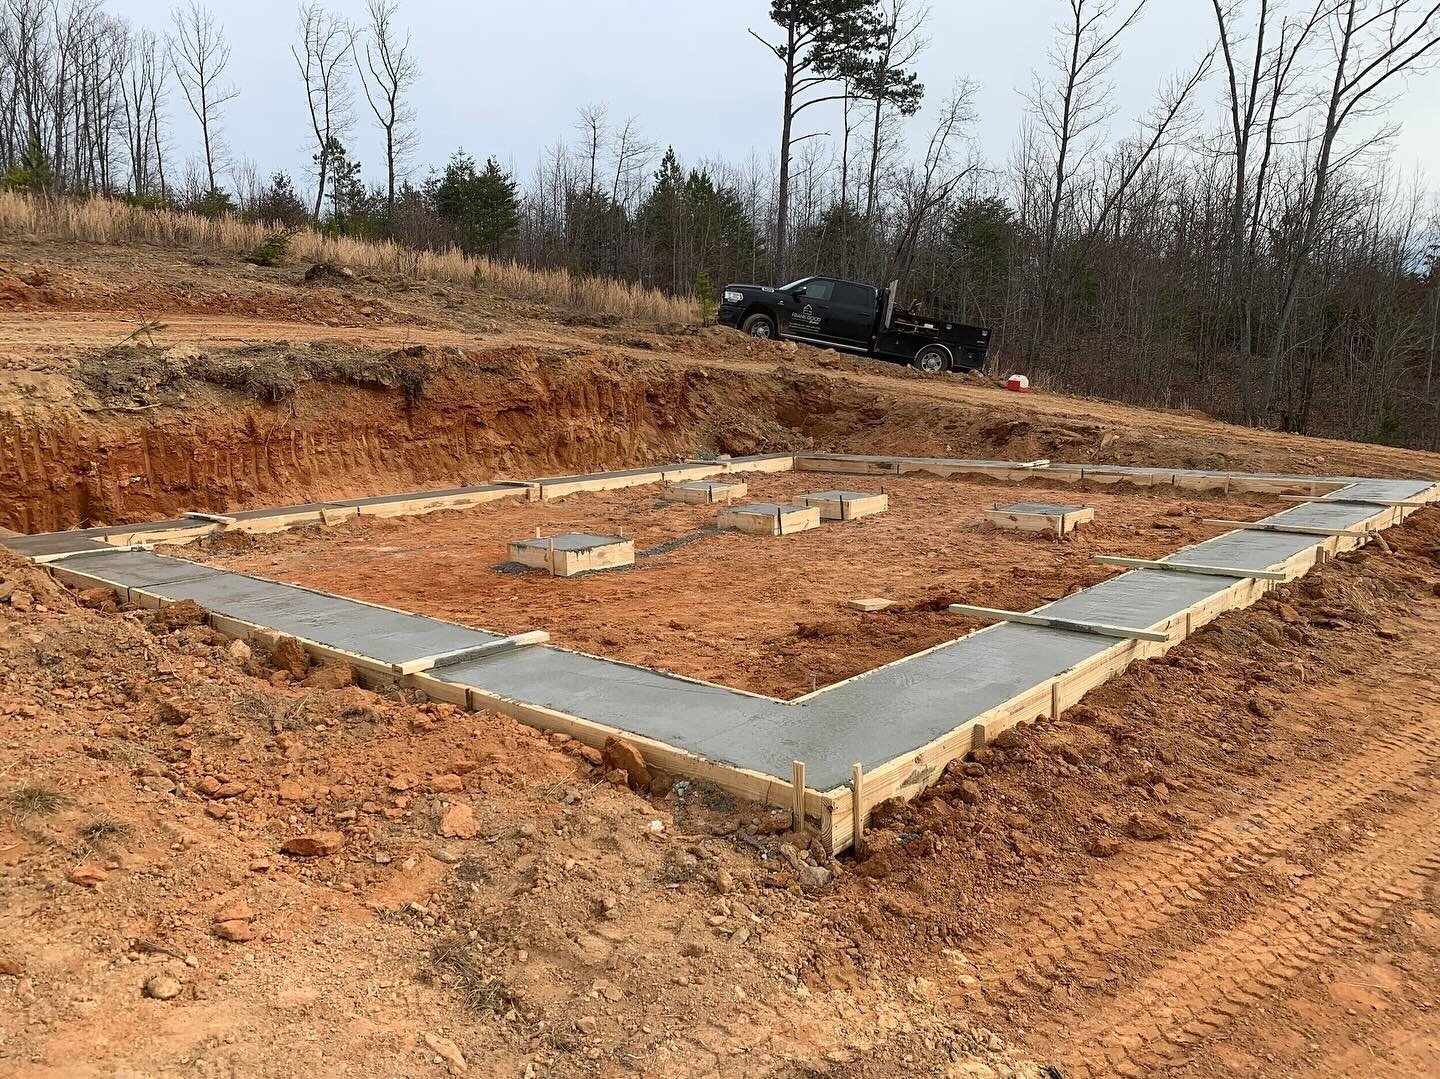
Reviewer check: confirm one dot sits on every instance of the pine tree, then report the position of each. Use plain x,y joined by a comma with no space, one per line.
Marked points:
481,207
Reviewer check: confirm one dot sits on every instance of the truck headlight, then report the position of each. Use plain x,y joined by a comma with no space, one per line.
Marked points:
731,296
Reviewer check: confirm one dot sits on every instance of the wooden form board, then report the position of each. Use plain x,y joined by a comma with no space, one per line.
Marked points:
854,505
762,463
706,492
423,504
561,562
780,521
913,466
1061,524
631,478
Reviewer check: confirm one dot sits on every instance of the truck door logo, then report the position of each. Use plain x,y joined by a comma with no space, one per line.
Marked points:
807,316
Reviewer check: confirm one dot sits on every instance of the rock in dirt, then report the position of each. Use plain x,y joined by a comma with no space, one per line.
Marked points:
459,822
448,1051
175,616
1103,846
239,650
330,676
162,987
290,791
877,867
621,754
237,930
97,599
1143,826
87,875
969,791
313,845
290,655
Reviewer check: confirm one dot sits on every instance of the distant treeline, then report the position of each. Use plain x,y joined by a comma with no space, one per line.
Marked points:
1241,247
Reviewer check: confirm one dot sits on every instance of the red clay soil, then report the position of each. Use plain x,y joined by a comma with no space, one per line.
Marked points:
764,614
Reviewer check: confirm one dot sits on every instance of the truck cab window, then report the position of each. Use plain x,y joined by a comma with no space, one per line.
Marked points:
818,290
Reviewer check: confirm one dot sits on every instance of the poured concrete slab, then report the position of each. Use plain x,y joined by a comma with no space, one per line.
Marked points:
705,492
769,518
846,505
1040,517
570,553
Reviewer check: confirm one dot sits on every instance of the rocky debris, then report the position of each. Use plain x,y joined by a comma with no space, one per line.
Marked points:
969,791
812,878
447,1051
322,270
240,651
236,930
162,987
877,866
11,967
313,845
290,791
330,676
290,655
620,754
1262,708
1103,846
449,783
175,616
87,875
1143,826
459,822
98,599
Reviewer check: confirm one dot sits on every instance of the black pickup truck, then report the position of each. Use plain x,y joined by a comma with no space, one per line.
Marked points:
855,317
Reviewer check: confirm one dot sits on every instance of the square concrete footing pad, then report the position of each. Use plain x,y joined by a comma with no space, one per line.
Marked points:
1040,517
705,492
846,505
573,552
870,604
769,518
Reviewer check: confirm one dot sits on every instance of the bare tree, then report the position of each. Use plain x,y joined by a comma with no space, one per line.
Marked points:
1256,100
1069,105
887,81
825,42
944,168
325,42
592,123
392,69
199,55
1373,42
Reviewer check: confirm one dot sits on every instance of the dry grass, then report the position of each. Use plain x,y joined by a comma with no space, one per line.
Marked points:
35,798
106,221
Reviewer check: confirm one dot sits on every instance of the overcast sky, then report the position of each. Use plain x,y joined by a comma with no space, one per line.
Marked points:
505,78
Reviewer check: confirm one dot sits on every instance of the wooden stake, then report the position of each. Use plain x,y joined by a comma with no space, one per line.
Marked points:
797,795
1055,699
857,806
552,556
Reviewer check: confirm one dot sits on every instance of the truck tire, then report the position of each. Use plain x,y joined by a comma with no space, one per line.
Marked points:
759,325
932,359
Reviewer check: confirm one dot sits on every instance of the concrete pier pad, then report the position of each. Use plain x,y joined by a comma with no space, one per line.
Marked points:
570,553
846,505
705,492
1040,517
769,518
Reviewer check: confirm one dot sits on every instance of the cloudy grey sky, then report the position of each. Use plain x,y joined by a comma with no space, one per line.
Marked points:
505,78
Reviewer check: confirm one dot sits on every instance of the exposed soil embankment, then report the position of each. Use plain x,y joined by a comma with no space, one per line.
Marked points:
144,436
140,433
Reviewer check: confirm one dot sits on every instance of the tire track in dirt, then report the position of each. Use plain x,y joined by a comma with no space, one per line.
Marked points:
1193,995
1137,902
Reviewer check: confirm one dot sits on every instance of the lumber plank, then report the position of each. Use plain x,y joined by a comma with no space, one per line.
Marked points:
1100,629
1182,567
1299,530
478,651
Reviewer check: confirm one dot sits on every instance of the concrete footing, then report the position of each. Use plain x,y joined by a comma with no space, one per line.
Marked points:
705,492
769,518
1040,517
570,553
846,505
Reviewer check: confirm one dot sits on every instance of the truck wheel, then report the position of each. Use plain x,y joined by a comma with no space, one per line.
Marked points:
932,359
759,326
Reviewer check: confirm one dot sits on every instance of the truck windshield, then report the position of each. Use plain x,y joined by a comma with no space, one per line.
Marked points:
794,284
